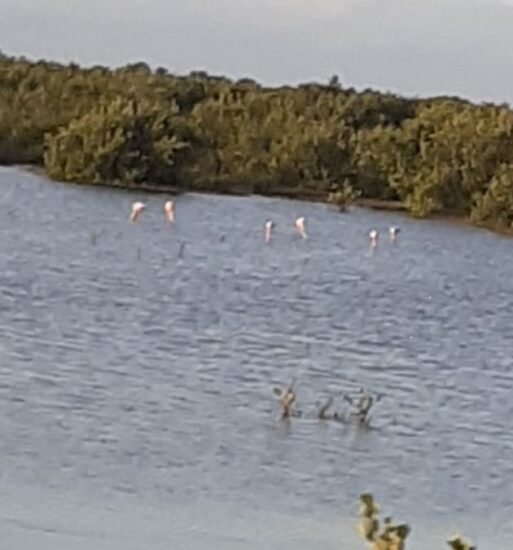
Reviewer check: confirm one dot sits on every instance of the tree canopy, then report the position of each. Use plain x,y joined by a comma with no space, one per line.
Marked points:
135,125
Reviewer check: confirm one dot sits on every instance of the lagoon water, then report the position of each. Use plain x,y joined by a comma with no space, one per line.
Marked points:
137,363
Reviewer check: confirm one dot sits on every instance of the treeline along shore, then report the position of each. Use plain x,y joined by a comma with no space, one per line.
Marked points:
143,128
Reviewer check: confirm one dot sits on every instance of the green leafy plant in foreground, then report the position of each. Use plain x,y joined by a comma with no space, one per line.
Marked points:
383,535
459,543
386,535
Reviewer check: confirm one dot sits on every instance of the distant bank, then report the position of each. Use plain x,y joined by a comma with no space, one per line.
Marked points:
139,128
372,204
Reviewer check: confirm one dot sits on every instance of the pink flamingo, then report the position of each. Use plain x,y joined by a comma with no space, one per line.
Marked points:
373,236
268,227
137,208
393,232
300,227
169,209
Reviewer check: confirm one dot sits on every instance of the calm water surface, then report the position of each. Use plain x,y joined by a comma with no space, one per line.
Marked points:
137,362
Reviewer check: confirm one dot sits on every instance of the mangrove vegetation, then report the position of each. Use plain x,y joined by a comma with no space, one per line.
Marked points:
384,534
138,126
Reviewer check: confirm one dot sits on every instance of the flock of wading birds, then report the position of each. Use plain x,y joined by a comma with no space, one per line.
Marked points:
299,224
393,536
286,397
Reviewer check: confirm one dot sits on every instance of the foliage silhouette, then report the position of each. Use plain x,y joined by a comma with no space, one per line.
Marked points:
137,126
386,535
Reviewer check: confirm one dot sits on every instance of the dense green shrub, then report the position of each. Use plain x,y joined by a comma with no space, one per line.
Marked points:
135,125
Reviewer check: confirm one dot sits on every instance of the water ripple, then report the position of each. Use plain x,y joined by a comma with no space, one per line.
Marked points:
130,370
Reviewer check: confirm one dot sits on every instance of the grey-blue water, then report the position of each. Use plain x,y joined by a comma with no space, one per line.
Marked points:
136,406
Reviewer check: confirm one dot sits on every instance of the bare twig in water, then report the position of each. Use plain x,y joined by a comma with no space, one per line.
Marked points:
363,406
323,411
286,398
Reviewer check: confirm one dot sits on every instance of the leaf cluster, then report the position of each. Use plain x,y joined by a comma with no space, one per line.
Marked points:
200,132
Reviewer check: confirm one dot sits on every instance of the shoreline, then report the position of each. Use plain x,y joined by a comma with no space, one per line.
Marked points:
378,205
371,204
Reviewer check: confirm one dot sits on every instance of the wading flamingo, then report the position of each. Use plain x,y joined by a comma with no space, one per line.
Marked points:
373,237
137,208
268,228
393,233
169,209
299,224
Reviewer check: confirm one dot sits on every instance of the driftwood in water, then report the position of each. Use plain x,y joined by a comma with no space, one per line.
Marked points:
286,398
